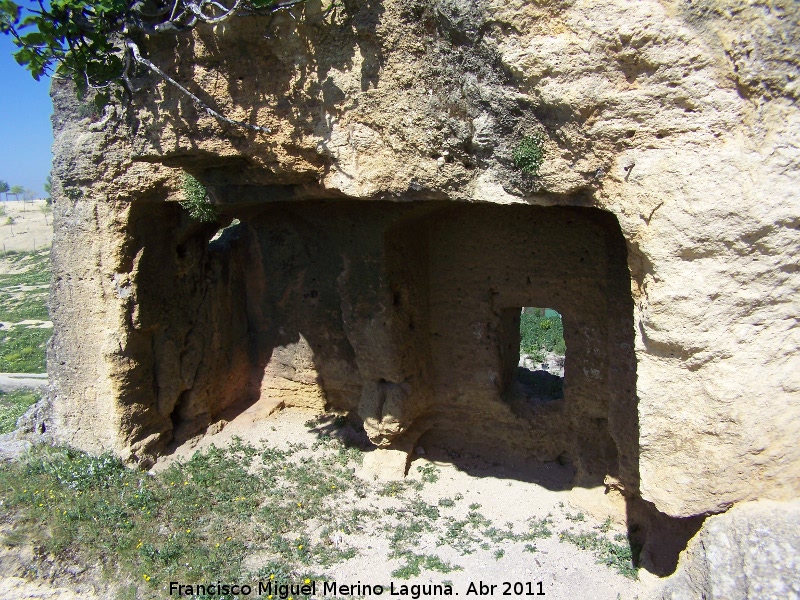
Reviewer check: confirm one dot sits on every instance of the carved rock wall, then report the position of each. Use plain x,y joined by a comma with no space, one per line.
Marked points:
358,277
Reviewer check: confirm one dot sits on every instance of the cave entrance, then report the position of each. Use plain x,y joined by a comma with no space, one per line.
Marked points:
412,316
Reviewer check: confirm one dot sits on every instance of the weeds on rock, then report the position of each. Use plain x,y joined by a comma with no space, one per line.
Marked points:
195,200
529,154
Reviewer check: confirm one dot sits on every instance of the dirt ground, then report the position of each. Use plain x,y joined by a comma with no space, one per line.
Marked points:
506,498
31,229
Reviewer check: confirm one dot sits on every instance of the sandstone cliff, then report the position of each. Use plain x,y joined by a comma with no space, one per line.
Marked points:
385,238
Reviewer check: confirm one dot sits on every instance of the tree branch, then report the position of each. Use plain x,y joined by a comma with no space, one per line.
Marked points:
214,20
202,105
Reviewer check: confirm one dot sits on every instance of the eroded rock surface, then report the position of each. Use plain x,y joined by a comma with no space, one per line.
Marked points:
384,238
752,551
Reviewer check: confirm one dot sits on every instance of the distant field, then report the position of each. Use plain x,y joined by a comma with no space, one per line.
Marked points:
26,326
25,226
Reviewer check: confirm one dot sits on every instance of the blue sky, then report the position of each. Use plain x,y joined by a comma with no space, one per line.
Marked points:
25,132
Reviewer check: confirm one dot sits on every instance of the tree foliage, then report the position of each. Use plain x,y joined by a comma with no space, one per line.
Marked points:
96,43
3,187
77,36
15,191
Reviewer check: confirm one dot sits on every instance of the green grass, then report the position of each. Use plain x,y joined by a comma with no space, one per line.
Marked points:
206,515
13,405
414,564
23,306
22,349
201,517
295,507
241,513
618,555
34,268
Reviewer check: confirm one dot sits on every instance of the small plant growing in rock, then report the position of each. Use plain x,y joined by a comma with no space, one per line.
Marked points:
529,155
195,200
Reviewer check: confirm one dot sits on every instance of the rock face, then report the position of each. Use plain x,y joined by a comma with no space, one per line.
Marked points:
384,241
753,551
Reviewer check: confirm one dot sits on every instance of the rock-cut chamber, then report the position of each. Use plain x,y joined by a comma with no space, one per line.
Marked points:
404,314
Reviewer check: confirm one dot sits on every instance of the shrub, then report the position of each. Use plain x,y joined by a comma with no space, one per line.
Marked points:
195,200
529,155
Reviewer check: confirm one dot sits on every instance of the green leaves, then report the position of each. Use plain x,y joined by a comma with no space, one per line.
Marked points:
9,15
94,42
196,200
529,155
34,38
74,36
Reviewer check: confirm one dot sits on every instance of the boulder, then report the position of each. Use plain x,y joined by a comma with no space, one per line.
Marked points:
751,552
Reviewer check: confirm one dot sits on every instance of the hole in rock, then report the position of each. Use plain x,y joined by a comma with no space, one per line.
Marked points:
222,230
539,375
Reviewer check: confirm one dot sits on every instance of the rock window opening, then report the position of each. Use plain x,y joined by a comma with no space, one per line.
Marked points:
539,373
221,231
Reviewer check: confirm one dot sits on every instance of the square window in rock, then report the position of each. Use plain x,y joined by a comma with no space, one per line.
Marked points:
537,375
